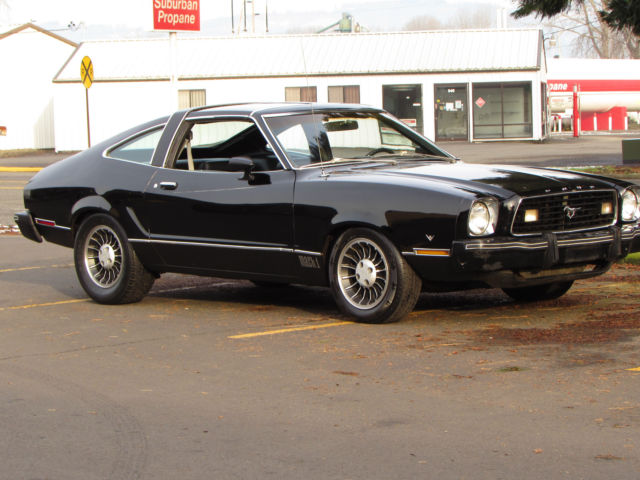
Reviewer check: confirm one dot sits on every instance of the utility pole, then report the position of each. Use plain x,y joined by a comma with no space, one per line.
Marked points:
233,29
244,14
253,16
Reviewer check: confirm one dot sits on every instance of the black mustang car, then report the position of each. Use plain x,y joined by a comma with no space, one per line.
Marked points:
343,196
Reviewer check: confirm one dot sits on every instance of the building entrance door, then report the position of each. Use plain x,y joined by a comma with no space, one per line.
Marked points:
405,102
452,117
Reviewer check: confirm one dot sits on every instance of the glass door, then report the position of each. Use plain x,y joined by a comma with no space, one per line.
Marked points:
405,102
452,118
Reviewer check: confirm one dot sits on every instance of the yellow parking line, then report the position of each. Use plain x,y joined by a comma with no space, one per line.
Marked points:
20,269
48,304
288,330
20,169
636,369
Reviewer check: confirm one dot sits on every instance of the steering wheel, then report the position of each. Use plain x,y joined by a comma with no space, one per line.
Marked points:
376,151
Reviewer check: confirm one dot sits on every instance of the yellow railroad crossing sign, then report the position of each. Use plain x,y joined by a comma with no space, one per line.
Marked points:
86,72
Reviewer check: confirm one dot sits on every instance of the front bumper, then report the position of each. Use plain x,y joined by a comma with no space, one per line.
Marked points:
522,261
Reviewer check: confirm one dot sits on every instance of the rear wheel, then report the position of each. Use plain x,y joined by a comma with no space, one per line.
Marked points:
369,278
548,291
107,266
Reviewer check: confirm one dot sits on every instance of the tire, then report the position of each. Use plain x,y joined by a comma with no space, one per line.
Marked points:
548,291
107,266
369,278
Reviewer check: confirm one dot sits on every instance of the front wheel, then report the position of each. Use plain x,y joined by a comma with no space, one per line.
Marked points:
369,278
107,266
548,291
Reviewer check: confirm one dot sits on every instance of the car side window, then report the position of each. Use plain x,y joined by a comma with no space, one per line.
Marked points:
139,149
210,145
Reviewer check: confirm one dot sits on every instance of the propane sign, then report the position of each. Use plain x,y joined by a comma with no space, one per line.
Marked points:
174,15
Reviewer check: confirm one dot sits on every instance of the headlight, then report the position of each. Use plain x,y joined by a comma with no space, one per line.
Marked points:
483,217
630,205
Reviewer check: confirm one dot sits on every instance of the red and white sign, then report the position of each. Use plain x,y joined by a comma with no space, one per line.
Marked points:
594,85
480,102
174,15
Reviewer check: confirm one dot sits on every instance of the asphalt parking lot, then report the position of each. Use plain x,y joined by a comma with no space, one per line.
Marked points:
210,378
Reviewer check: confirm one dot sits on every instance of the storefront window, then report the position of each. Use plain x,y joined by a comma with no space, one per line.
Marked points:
502,110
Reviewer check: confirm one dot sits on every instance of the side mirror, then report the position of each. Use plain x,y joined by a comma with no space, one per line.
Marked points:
242,164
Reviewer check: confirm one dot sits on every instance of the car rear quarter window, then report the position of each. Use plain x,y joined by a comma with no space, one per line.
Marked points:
138,149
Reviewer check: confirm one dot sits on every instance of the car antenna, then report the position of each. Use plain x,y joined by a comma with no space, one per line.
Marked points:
306,77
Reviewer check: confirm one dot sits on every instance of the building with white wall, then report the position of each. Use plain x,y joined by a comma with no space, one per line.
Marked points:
31,57
459,85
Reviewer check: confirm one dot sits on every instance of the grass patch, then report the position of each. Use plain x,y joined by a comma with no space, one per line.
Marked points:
616,171
633,259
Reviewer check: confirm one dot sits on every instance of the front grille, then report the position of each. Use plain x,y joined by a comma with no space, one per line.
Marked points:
566,212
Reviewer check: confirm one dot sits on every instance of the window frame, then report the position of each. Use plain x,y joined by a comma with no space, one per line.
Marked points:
191,93
300,90
132,138
190,120
527,110
342,93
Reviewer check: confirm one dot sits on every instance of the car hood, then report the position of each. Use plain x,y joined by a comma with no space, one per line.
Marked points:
502,180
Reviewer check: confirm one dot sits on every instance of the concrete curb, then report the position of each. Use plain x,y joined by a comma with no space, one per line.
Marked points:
9,230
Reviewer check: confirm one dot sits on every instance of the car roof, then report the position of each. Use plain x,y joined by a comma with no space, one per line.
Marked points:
250,109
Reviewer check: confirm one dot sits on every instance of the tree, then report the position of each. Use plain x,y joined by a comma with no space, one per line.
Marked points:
423,22
593,36
465,19
618,14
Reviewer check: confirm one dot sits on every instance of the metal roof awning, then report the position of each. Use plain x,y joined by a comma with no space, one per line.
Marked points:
311,55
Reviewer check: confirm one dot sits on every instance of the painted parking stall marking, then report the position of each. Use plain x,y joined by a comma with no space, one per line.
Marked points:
19,169
21,269
289,330
46,304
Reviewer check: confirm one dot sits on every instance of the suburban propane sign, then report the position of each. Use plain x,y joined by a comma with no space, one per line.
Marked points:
176,15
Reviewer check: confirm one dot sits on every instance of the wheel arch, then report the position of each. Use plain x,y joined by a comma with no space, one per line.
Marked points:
87,206
338,229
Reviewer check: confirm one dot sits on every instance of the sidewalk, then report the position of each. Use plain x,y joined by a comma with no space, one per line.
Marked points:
36,159
557,151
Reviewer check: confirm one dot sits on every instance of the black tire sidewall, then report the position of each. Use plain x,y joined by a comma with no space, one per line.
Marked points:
112,294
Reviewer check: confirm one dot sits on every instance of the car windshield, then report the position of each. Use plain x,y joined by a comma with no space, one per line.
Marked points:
316,138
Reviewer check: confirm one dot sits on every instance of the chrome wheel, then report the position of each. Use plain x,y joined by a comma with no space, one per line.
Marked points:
103,256
363,273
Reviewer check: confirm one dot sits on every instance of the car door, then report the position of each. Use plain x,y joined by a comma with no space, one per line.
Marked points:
204,215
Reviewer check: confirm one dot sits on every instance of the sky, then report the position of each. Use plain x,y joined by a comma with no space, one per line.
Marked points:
113,18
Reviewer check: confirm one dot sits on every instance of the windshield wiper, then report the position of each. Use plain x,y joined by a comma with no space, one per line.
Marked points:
337,161
430,156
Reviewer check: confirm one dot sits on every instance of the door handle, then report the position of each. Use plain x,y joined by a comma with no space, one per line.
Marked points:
168,185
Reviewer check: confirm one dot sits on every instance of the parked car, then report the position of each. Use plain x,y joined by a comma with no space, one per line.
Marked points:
342,196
